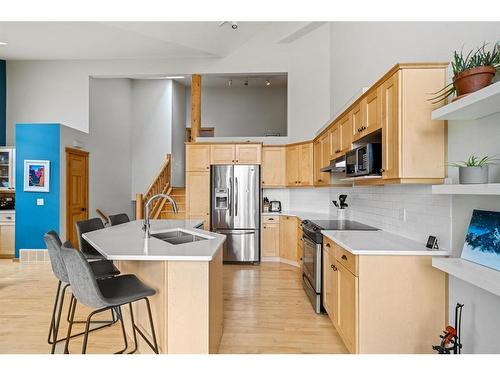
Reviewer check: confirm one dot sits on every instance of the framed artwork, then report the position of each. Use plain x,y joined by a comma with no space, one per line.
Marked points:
482,242
37,175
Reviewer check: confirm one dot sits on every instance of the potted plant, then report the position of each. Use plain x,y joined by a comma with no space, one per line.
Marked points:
471,72
474,170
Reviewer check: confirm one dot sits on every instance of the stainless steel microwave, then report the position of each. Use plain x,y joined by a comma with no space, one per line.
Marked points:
364,160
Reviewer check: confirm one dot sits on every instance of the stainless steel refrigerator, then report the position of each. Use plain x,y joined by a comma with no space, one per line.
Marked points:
235,206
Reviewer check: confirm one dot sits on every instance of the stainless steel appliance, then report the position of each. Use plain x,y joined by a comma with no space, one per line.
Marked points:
235,206
275,206
312,263
364,160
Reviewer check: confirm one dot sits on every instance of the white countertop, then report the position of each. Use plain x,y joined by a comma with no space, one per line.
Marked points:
127,242
379,243
301,215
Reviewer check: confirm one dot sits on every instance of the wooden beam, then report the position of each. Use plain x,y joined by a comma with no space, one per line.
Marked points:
139,207
195,106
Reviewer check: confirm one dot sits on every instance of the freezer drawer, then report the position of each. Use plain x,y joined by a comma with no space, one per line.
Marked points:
241,245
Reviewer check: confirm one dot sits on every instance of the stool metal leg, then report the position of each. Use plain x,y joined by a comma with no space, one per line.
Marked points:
52,321
72,308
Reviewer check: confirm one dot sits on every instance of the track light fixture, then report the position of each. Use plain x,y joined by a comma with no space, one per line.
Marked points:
234,24
268,83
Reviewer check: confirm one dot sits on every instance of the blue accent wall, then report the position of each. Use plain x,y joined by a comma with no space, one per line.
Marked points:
3,102
36,142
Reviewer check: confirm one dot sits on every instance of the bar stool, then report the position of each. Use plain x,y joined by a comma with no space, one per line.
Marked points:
100,269
105,294
118,219
86,226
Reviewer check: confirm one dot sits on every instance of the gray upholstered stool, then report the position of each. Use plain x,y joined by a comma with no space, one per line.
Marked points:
118,219
100,269
86,226
105,294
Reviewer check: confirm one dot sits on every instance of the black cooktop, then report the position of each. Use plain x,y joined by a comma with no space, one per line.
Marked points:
337,225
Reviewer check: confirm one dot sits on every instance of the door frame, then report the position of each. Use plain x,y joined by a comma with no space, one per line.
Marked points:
75,151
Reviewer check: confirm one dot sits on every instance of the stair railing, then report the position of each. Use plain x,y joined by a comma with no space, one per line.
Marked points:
160,185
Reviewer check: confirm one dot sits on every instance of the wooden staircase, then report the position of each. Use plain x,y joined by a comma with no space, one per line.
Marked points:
162,209
179,196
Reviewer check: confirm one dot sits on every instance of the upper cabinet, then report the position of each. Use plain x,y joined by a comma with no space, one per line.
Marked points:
366,115
228,153
197,157
299,164
274,166
321,148
413,145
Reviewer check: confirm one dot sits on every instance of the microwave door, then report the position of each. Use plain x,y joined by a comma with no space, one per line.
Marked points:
361,161
222,196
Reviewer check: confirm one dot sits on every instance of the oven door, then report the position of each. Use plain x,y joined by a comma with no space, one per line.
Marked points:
311,263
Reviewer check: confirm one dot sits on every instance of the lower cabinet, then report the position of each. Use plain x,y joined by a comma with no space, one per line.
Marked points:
271,239
7,240
288,238
383,304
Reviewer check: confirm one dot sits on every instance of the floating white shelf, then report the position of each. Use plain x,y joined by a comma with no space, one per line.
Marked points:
467,189
475,274
479,104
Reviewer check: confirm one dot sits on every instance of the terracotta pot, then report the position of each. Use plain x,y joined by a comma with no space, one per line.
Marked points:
474,79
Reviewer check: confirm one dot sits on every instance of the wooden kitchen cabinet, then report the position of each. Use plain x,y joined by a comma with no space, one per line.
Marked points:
198,196
288,239
248,154
300,164
271,239
222,154
197,157
274,166
7,241
413,145
383,303
231,153
321,159
366,116
344,136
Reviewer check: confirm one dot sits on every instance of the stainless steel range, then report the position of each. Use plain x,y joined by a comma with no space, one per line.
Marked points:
312,240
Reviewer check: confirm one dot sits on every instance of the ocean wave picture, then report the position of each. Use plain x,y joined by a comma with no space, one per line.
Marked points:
482,242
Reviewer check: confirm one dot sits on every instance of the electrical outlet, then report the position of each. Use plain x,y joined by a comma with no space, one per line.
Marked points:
402,214
40,202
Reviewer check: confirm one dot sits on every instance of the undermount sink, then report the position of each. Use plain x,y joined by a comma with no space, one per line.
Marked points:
178,237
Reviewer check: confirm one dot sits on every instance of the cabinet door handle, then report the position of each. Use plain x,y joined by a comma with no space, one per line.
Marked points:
382,170
327,245
344,257
333,267
271,218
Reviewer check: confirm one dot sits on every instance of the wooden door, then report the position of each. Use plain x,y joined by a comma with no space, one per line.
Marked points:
197,158
357,121
223,154
288,238
372,118
273,166
345,135
390,128
248,154
198,196
348,306
292,165
271,240
77,191
306,162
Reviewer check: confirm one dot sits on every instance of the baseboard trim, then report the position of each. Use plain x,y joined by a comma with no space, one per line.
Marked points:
33,255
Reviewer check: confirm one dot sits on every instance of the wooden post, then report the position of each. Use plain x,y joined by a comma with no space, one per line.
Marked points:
139,207
195,106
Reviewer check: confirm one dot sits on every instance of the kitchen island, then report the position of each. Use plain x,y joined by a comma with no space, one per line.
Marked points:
184,265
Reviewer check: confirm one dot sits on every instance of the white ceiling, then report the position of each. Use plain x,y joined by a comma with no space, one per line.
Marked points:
122,40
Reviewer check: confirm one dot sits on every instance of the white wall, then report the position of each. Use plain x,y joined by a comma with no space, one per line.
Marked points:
58,91
242,111
361,52
151,130
178,134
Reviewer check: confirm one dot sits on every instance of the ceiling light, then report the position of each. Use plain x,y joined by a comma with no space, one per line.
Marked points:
246,82
234,24
173,77
268,83
3,43
230,82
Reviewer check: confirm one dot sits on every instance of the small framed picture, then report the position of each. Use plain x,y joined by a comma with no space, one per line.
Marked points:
37,175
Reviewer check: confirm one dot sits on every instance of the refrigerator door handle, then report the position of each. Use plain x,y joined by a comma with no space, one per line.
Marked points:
235,233
236,196
230,196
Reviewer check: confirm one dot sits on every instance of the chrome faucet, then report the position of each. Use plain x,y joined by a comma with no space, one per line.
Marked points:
146,226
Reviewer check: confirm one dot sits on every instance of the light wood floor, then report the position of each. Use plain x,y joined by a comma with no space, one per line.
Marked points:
265,311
